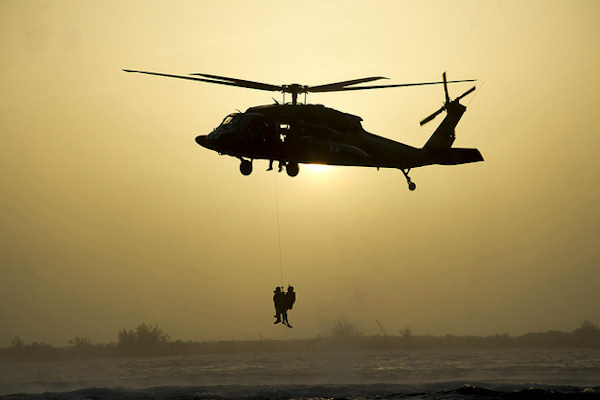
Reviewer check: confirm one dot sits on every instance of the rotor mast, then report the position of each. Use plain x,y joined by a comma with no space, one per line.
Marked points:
295,89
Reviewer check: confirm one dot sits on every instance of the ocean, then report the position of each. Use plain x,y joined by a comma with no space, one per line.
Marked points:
331,374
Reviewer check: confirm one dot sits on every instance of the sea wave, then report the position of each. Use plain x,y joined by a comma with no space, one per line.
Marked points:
379,374
437,391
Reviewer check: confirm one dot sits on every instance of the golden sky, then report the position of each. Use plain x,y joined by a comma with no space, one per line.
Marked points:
112,215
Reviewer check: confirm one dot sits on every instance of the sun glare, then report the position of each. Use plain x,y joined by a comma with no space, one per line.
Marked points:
319,168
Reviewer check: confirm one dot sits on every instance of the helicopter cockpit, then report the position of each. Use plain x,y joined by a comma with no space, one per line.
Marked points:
230,120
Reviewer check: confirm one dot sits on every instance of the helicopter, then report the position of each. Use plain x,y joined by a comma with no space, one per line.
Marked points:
296,133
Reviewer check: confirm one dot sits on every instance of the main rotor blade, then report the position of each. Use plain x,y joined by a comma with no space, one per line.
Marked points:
329,87
242,82
191,78
398,85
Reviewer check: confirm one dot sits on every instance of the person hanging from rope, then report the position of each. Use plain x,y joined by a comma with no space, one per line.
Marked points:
290,299
280,302
272,141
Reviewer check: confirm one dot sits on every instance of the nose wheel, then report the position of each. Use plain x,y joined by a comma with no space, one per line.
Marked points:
411,185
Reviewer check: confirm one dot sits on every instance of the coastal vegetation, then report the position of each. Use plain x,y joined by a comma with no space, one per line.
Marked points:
150,341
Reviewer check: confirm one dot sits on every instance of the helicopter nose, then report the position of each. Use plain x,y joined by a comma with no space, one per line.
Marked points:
201,140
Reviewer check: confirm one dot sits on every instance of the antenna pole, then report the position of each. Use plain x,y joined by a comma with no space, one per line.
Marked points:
381,327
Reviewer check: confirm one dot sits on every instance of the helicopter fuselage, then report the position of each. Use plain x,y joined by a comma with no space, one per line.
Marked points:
307,133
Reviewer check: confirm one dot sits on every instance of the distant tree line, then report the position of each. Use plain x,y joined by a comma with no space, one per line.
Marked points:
150,341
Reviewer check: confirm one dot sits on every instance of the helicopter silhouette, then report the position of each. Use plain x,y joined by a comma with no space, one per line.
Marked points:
295,133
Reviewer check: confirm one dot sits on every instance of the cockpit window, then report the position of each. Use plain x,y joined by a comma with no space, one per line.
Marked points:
229,120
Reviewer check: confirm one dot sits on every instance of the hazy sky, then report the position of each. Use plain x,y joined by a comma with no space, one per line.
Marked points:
112,215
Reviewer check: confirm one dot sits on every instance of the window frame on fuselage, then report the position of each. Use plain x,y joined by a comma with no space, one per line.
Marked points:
230,120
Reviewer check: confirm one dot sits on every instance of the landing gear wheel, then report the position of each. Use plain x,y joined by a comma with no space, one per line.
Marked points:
292,169
246,167
411,185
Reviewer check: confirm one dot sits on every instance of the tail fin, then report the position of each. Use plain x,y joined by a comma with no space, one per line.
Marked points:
444,136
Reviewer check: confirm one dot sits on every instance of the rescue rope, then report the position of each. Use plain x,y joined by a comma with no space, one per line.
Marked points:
278,231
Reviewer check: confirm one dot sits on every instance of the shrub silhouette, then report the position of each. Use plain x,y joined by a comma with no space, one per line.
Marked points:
148,340
587,328
33,351
17,344
143,340
344,330
587,333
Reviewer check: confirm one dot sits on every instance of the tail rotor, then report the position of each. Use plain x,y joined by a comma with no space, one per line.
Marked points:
447,103
465,93
446,87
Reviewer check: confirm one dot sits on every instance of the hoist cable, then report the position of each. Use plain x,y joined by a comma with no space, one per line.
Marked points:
278,230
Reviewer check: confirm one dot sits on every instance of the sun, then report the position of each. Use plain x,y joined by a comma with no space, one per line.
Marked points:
318,168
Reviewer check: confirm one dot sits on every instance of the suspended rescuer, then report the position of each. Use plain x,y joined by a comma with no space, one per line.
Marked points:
279,302
290,299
